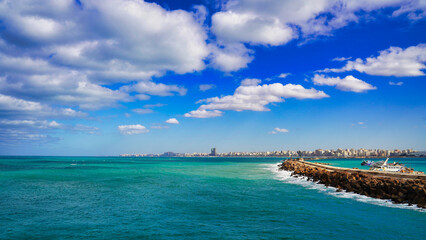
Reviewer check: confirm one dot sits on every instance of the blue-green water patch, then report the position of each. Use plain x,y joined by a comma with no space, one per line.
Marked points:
184,198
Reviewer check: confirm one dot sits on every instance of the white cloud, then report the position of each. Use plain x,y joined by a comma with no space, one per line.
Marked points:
85,129
313,17
31,123
396,83
412,10
172,121
200,113
55,52
276,22
279,130
12,130
25,64
133,35
154,105
253,98
11,106
8,103
142,97
393,61
71,89
132,129
205,87
231,27
348,84
340,59
250,82
12,136
159,127
157,89
142,110
284,75
230,57
361,123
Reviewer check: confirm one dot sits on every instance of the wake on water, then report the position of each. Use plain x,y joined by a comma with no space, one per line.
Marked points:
285,176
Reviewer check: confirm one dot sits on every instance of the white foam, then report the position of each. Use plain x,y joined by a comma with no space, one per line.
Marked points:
285,176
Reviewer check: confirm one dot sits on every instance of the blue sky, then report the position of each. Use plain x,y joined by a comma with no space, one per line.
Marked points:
126,76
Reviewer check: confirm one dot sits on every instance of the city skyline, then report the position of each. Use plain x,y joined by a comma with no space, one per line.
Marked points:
339,153
85,77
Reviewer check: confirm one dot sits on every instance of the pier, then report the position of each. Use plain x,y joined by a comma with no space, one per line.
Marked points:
398,187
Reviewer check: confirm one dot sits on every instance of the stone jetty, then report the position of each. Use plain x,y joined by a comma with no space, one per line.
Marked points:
400,188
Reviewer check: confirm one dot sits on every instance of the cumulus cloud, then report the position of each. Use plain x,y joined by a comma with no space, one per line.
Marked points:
172,121
276,22
275,18
132,129
201,113
394,61
15,107
348,84
396,83
250,82
156,89
230,57
57,52
253,98
132,35
231,27
72,89
205,87
279,130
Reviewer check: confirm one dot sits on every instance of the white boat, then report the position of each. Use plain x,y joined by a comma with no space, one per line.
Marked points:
385,167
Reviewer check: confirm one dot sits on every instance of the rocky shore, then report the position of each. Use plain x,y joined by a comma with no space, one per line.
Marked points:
400,188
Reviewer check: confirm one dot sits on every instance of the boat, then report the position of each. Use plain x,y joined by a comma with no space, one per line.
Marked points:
367,163
387,167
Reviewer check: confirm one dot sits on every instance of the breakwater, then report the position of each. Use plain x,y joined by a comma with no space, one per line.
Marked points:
400,188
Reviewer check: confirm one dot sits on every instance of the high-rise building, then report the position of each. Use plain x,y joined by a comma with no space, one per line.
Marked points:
213,152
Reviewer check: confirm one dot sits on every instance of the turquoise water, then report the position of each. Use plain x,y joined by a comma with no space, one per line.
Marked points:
185,198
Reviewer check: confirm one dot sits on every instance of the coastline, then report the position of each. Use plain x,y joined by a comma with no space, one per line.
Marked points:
398,187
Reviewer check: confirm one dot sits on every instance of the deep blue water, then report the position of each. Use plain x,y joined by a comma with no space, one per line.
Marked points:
186,198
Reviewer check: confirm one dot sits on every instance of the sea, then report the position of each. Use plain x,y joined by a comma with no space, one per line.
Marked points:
189,198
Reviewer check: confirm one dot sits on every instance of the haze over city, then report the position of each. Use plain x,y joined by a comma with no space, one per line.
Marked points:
86,77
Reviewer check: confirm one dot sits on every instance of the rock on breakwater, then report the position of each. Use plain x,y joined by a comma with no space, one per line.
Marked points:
400,188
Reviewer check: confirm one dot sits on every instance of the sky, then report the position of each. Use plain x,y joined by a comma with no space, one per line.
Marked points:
89,77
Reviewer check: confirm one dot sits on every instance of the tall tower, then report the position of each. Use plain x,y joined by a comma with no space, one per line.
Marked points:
213,152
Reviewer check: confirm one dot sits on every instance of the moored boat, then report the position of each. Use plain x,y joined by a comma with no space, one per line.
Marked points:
367,163
387,167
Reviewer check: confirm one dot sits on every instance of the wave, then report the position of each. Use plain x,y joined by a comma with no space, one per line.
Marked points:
285,176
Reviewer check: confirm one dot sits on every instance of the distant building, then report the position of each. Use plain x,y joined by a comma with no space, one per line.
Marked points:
169,154
213,152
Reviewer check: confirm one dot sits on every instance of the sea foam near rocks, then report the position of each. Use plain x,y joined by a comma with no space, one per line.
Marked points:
287,177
